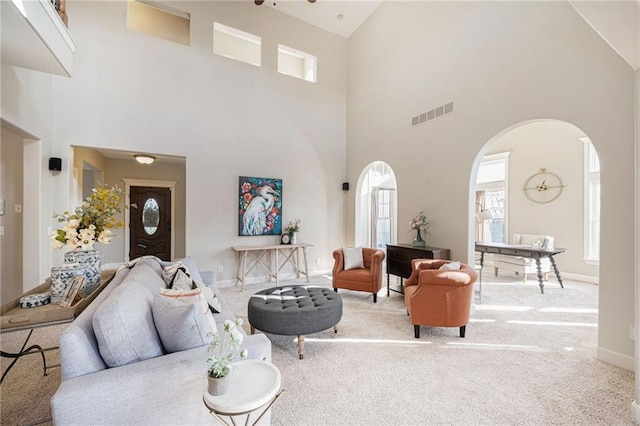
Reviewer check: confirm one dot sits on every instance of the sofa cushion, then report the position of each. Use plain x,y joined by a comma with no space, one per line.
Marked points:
181,326
123,325
195,297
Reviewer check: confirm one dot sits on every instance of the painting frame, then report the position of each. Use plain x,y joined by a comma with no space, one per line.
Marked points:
72,291
259,206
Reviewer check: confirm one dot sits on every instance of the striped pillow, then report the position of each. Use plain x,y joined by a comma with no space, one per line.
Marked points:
194,296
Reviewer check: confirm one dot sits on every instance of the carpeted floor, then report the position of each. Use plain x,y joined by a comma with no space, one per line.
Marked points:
527,359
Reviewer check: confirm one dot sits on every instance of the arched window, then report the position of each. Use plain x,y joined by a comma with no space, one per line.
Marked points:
376,211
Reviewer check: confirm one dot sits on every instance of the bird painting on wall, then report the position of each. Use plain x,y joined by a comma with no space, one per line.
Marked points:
260,205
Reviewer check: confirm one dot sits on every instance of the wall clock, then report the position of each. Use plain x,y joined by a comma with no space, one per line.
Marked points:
543,187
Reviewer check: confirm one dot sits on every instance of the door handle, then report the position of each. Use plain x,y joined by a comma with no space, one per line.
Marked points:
142,246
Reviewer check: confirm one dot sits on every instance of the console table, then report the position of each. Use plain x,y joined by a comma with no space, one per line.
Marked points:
521,251
399,257
268,258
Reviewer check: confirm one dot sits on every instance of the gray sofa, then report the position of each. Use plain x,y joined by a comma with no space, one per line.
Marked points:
151,387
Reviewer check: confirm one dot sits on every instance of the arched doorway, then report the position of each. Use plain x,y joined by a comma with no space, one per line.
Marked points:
376,206
572,218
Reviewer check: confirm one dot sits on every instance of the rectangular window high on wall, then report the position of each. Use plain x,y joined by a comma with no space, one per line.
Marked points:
236,44
491,194
591,202
159,20
296,63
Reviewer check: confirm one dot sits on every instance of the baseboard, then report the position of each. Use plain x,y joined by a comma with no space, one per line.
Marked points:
616,358
577,277
635,412
261,279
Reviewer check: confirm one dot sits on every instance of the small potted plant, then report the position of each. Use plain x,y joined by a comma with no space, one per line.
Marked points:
292,228
220,355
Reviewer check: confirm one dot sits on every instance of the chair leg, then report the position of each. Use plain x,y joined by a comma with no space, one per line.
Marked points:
463,329
375,297
416,331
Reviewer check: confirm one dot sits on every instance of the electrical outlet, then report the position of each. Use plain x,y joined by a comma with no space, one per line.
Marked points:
18,208
220,268
632,332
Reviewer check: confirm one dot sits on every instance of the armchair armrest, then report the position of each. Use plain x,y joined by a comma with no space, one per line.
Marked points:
339,261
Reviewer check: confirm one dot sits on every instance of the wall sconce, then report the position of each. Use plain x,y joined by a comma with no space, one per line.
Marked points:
144,159
483,214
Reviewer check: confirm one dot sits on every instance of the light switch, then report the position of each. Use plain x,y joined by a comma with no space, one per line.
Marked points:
18,208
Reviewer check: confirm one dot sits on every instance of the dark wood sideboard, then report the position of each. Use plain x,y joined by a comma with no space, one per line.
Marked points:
399,257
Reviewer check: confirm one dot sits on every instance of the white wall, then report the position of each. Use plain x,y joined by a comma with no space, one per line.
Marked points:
27,108
555,146
501,64
11,192
134,92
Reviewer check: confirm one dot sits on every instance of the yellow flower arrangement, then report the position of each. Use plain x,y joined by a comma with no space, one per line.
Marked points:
90,223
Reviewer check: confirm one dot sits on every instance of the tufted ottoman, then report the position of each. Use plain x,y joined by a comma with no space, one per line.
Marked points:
295,310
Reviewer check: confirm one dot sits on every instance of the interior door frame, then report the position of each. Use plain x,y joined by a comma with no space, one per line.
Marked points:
171,185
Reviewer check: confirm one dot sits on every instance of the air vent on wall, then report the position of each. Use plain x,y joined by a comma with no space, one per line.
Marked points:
437,112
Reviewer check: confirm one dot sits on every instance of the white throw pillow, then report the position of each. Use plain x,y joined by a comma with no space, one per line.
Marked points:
451,266
181,280
211,296
352,257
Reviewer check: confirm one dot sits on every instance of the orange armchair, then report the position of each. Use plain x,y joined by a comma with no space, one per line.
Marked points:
439,298
367,279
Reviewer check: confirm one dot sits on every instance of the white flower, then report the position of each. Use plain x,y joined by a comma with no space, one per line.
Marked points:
55,243
73,223
105,237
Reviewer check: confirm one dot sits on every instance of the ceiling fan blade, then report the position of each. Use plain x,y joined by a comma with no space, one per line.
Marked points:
311,1
258,2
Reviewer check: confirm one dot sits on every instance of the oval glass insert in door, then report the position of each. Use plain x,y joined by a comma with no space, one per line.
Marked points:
151,216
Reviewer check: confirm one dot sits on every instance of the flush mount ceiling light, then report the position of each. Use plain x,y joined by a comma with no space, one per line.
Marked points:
144,159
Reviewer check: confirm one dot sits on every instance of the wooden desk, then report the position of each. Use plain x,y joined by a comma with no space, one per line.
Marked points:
399,257
15,318
521,251
268,258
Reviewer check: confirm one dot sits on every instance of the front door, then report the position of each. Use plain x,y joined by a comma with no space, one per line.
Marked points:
150,222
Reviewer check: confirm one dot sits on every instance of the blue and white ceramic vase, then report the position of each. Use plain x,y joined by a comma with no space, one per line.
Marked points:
61,277
91,259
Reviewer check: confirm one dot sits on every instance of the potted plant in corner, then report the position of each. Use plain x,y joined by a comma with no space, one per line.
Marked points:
221,353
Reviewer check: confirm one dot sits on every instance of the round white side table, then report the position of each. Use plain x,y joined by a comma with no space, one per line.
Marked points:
253,384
